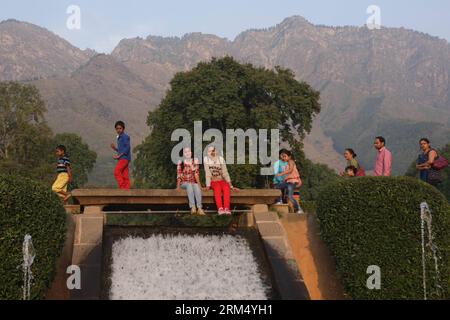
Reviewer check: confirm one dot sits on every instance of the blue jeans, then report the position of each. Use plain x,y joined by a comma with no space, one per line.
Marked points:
281,186
194,194
290,188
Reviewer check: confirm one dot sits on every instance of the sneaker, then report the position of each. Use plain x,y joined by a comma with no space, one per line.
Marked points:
227,211
279,202
200,212
300,211
221,211
193,211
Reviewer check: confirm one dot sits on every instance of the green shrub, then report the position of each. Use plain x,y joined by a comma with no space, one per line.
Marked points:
376,221
27,207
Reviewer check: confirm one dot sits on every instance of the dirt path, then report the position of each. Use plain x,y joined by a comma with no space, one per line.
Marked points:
313,258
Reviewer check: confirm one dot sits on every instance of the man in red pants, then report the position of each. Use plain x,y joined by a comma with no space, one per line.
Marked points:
123,156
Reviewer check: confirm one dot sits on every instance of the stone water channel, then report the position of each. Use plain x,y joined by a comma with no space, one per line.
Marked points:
156,252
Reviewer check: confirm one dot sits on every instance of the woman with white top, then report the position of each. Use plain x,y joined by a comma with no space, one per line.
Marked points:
218,179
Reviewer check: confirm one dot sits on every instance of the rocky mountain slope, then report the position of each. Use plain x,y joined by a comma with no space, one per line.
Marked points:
30,52
391,82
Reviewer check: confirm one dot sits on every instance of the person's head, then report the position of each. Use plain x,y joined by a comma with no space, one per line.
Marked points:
60,151
212,152
120,127
187,153
282,151
349,154
379,143
286,156
351,171
424,144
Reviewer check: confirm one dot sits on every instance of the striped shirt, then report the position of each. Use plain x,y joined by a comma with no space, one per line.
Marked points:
62,165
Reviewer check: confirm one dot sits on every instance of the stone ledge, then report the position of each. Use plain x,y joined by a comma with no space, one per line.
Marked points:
93,210
289,280
270,229
87,254
260,208
280,208
275,247
266,216
89,230
73,209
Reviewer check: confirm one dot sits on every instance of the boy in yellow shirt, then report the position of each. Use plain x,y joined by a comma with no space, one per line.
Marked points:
64,172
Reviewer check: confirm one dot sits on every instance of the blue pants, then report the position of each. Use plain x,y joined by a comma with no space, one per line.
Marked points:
290,188
194,194
282,186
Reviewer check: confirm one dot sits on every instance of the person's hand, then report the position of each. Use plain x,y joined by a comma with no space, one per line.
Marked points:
113,146
116,157
235,189
206,188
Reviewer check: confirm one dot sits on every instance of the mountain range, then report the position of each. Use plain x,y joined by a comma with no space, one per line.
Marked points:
392,82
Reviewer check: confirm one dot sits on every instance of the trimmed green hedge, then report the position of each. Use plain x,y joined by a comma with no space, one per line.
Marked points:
27,207
376,221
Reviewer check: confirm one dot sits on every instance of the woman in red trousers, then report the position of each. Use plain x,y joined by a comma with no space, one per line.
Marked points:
218,179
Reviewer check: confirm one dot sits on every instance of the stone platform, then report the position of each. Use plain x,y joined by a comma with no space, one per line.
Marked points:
104,197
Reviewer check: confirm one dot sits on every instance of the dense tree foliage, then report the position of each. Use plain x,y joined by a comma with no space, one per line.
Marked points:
225,94
444,187
24,135
27,144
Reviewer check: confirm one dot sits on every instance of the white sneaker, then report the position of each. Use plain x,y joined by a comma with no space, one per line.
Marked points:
221,211
300,211
279,202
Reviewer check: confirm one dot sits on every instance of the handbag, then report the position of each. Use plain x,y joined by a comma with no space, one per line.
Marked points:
440,163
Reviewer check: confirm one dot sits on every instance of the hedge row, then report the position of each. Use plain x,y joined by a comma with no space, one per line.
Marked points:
27,207
376,221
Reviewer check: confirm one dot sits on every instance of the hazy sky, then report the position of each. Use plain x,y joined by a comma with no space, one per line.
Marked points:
105,22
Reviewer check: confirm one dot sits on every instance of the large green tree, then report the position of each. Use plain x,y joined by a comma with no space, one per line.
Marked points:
27,144
24,135
225,94
444,187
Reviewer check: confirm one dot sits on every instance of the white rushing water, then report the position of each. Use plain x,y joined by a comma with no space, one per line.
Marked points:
28,258
426,218
171,267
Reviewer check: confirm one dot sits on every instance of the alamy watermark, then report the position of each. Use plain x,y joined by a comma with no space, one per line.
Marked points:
74,20
374,280
257,145
74,279
374,20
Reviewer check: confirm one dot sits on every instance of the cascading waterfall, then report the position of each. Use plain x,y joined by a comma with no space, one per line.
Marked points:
427,218
28,258
191,267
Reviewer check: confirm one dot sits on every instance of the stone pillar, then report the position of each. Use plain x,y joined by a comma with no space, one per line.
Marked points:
280,208
59,290
87,253
93,210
